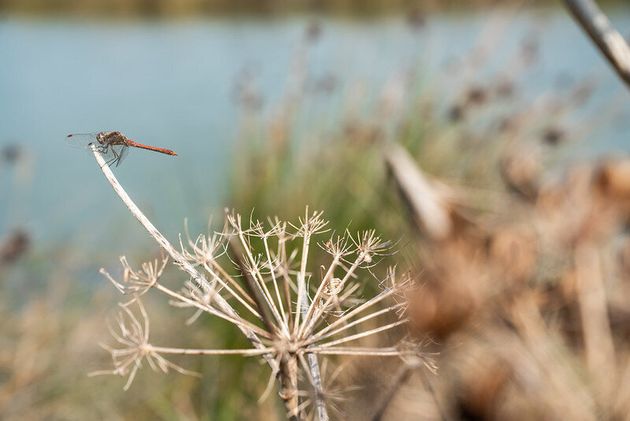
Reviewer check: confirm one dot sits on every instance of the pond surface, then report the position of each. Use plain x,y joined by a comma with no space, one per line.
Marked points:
172,84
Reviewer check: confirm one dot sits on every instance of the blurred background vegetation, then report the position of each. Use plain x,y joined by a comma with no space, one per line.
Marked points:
171,8
495,115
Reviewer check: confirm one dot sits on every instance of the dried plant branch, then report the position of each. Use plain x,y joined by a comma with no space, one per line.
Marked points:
253,287
173,253
399,381
598,338
427,206
609,41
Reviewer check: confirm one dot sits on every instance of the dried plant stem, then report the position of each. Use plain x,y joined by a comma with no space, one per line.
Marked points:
243,324
428,208
371,352
606,38
598,338
187,351
219,301
302,309
316,379
288,369
360,320
400,380
308,318
301,306
255,291
315,337
289,392
364,334
309,325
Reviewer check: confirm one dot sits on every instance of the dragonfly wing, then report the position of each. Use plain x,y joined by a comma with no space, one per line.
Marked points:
81,140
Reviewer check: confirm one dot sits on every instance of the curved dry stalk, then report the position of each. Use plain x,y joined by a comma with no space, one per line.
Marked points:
400,379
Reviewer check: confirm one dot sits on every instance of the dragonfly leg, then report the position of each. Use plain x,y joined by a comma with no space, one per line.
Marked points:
110,162
117,157
104,150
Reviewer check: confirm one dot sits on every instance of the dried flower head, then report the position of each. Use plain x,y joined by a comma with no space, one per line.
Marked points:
295,317
133,337
137,282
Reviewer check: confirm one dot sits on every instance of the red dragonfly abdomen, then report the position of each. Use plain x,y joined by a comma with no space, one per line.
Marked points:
151,148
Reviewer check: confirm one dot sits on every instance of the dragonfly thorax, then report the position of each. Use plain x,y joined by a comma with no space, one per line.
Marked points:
110,138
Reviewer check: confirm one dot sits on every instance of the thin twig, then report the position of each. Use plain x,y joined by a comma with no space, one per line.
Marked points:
179,351
358,351
598,338
603,34
400,380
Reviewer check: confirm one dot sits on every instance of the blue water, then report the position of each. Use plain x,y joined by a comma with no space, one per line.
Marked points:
172,84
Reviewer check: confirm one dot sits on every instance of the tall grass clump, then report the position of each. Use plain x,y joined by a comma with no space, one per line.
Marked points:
178,8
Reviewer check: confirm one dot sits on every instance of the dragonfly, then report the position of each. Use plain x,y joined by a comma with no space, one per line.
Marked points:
113,145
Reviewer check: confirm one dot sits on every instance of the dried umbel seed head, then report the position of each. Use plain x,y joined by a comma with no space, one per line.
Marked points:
137,282
292,317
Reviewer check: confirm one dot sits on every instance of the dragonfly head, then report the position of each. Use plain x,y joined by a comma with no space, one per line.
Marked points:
101,136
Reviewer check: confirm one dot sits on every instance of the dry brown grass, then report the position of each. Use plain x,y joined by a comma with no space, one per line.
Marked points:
525,307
